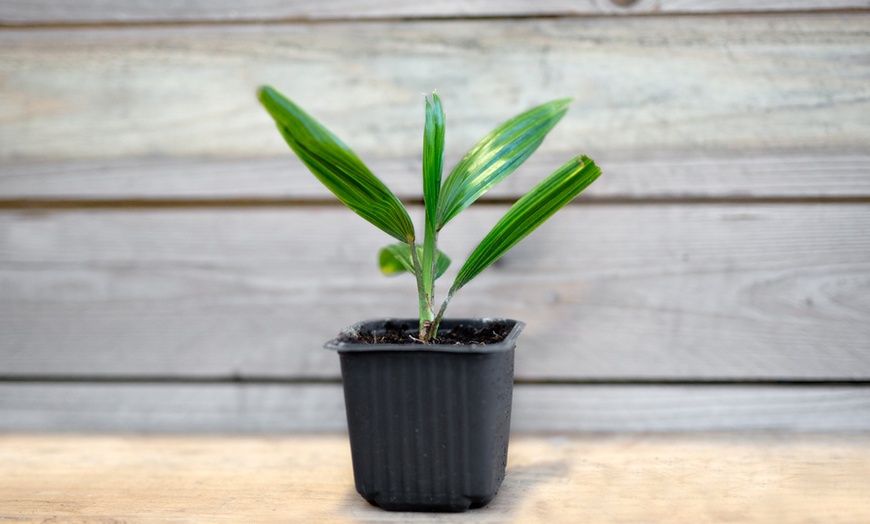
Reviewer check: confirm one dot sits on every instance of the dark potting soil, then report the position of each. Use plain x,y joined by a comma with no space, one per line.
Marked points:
403,333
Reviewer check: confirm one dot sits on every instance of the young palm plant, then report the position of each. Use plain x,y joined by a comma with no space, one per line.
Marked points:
496,156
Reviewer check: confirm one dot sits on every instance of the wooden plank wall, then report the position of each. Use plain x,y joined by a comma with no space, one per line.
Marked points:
167,265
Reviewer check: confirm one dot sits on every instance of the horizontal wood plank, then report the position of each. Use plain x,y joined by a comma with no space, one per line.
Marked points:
829,176
721,291
257,408
730,86
94,11
577,478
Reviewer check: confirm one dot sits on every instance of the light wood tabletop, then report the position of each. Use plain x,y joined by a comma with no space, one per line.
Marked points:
551,478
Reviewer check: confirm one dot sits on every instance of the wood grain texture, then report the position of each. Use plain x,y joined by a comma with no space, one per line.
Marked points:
828,176
279,408
619,291
606,479
727,243
14,12
712,85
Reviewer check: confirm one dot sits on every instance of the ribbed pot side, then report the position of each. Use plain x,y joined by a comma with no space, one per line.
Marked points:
428,425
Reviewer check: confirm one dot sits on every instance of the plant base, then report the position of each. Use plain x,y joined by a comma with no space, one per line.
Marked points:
428,424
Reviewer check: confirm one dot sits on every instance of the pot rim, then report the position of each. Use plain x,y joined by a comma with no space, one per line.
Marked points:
508,343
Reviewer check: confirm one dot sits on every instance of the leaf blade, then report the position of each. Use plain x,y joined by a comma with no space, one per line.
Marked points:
529,212
433,156
433,162
338,167
496,156
395,259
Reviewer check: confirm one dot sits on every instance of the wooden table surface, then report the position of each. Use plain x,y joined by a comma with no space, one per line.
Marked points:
553,478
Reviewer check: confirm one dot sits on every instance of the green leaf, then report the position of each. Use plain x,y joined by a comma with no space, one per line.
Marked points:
396,258
337,167
433,162
529,212
496,156
433,156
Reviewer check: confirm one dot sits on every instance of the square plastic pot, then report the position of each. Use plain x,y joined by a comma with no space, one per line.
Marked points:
428,424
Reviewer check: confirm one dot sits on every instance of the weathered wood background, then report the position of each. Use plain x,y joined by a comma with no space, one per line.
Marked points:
166,264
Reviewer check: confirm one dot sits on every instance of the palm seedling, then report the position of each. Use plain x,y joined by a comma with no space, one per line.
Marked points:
496,156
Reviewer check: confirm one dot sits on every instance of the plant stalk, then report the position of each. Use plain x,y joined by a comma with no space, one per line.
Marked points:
424,297
437,322
430,241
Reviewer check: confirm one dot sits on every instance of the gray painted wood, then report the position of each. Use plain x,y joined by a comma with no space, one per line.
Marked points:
259,408
137,11
688,176
727,241
680,290
732,86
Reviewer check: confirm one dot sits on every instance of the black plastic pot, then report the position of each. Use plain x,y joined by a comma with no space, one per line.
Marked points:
428,425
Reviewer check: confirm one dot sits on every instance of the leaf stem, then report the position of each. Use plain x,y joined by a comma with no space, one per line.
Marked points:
437,322
430,241
424,296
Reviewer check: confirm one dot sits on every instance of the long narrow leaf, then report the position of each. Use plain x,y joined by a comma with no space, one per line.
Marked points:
527,214
433,156
433,161
337,167
496,156
396,259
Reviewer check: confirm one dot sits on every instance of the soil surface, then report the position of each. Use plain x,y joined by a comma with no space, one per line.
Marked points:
403,333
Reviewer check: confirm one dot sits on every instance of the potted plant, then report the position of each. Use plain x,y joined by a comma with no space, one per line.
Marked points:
428,399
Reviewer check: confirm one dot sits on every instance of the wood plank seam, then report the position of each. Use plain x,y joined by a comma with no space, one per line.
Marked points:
302,380
6,23
14,204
